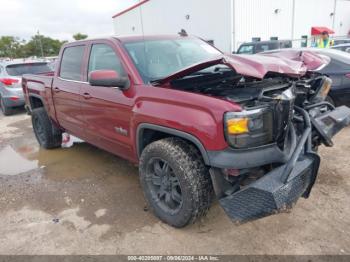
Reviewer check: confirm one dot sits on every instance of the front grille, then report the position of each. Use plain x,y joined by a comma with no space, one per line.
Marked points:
283,115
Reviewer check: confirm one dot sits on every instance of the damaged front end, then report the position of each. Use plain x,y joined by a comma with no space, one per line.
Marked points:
272,156
272,160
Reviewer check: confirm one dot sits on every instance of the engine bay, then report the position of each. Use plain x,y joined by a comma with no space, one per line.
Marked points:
224,83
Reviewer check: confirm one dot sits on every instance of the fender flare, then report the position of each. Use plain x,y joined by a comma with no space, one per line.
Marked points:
170,131
36,96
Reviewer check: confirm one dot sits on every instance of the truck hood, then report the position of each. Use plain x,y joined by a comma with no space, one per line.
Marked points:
311,60
293,64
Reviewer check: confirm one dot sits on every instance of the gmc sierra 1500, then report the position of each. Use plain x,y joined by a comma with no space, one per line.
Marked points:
195,120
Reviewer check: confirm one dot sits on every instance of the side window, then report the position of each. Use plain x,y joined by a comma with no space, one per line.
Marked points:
72,60
103,57
246,49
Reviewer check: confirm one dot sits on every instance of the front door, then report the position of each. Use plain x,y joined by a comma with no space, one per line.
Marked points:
107,110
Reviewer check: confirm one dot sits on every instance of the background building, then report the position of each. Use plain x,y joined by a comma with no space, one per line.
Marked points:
229,23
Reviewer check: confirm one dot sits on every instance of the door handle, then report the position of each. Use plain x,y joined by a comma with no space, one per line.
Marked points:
56,89
86,95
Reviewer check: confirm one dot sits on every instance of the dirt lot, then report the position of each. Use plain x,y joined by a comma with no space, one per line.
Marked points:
82,200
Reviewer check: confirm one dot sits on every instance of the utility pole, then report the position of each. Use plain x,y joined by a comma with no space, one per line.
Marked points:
41,45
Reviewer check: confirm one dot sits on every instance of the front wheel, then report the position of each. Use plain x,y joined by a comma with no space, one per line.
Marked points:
175,181
46,133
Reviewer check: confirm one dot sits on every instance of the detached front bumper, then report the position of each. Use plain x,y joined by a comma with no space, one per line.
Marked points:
280,188
269,194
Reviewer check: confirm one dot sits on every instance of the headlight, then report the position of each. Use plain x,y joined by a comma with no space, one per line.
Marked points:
249,128
323,90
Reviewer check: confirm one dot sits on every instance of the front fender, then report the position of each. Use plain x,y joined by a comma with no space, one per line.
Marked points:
192,116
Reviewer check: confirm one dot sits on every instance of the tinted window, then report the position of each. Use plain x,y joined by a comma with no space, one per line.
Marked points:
103,57
156,59
286,44
265,47
72,60
246,49
29,68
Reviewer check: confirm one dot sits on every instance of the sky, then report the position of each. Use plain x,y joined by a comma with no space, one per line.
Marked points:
59,19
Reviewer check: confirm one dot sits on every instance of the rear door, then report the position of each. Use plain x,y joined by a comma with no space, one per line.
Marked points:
66,89
107,110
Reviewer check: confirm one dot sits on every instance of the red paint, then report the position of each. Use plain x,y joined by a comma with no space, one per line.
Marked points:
99,114
317,30
103,74
130,8
254,66
8,81
14,98
308,59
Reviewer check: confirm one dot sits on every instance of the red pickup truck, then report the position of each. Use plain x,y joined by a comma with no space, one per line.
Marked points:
196,121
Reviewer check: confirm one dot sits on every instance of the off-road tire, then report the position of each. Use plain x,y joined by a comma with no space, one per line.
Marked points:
192,174
45,132
7,111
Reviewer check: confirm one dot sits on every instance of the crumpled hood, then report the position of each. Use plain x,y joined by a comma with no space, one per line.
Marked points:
293,64
311,60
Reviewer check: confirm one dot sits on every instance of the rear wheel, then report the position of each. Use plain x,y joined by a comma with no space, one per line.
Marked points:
5,110
46,133
175,181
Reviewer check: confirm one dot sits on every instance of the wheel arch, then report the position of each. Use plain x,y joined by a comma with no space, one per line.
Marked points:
148,133
36,101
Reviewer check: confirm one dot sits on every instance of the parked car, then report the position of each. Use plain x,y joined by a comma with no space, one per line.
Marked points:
342,47
340,41
261,46
11,93
338,70
193,119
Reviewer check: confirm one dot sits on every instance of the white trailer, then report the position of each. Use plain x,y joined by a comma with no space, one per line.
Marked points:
229,23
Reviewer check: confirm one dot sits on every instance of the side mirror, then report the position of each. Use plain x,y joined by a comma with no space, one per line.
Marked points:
347,50
234,52
108,78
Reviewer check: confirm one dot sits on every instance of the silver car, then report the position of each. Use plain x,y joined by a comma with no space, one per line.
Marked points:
11,93
342,47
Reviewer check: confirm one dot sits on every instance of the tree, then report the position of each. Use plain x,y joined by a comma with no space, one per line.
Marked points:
80,36
41,45
38,45
11,47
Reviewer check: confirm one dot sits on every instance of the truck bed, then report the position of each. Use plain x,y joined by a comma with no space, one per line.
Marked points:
38,86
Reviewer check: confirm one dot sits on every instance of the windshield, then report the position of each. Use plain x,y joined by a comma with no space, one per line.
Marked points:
28,68
156,59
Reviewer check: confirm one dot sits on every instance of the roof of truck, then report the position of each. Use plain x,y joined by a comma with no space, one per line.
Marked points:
137,38
132,38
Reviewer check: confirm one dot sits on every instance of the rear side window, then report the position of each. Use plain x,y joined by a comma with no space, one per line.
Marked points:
28,68
286,44
246,49
103,57
72,61
266,47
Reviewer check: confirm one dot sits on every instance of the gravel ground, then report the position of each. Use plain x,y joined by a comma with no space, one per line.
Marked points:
82,200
